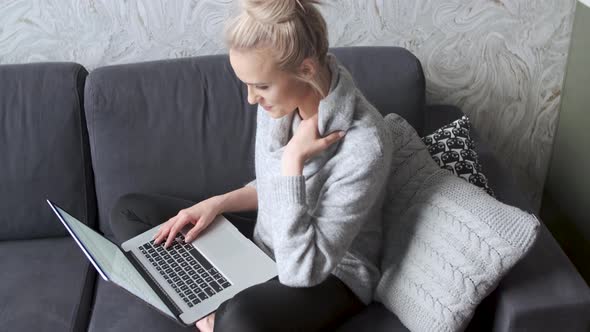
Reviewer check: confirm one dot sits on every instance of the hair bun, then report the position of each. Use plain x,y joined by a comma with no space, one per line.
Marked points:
276,11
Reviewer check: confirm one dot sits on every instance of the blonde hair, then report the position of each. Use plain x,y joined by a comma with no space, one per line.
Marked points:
292,29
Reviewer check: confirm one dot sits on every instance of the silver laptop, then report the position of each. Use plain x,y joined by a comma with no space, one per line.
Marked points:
186,281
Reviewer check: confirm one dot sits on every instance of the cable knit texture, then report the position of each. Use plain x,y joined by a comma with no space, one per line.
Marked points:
328,220
447,243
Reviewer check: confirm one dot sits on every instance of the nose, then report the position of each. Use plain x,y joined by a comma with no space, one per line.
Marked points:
252,96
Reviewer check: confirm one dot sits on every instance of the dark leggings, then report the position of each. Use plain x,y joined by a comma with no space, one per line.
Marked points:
269,306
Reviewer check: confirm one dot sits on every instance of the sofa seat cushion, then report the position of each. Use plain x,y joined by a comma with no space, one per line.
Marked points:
47,285
116,310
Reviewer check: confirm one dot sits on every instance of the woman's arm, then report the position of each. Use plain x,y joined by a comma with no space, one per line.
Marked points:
308,246
242,199
204,212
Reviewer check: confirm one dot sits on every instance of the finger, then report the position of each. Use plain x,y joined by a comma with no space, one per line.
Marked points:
158,232
194,232
333,138
162,235
163,231
181,220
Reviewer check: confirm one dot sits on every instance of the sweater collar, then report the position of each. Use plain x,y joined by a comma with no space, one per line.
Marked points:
335,111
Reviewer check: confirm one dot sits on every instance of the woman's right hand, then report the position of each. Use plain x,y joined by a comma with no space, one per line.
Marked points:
200,215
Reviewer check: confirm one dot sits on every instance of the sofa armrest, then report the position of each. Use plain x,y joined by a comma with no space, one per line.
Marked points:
542,292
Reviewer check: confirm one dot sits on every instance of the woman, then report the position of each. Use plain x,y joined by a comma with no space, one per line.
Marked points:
318,193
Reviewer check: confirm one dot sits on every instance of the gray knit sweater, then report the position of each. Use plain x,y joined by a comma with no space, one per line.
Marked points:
328,220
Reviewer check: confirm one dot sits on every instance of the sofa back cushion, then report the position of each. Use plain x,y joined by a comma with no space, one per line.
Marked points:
390,77
44,150
183,127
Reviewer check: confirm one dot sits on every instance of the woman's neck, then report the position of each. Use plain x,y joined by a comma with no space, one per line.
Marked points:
310,106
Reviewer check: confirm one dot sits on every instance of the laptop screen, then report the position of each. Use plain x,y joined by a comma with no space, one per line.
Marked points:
109,260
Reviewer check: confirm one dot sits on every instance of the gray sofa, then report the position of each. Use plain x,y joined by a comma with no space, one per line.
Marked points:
183,127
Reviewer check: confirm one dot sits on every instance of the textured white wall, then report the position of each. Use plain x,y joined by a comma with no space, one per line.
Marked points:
501,61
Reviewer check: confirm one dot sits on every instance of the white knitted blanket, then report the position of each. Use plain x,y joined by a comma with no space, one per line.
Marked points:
447,243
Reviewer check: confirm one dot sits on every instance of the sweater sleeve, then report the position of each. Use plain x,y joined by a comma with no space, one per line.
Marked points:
308,245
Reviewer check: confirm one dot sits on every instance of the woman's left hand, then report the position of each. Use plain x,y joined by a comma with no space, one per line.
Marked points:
307,142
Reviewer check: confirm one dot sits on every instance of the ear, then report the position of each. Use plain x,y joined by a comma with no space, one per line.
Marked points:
308,68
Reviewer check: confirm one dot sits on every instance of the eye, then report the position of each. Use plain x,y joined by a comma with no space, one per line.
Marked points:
264,87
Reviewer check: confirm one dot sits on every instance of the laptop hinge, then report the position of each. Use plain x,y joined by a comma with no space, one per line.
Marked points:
155,286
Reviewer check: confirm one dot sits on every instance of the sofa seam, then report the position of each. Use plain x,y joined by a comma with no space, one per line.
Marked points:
94,157
90,282
79,119
81,133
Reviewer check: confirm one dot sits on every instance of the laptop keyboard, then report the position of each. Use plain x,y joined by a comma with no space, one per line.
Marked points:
184,268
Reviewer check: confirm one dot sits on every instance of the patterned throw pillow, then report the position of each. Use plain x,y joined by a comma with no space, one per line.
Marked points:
452,148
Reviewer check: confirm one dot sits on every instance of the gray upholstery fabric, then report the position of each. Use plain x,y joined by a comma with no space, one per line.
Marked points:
390,77
44,148
116,310
175,127
376,318
184,128
543,292
46,285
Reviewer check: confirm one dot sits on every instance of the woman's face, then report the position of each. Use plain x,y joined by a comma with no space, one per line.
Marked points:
277,91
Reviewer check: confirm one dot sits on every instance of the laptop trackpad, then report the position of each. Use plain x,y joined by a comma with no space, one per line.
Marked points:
218,242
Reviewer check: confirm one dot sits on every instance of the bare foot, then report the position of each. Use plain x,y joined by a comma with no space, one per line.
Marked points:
206,323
